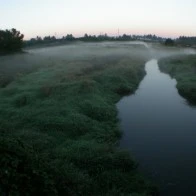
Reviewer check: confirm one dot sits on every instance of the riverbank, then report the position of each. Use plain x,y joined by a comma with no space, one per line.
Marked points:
59,127
159,130
183,69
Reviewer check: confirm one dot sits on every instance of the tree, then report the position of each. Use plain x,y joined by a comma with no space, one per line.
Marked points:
69,37
10,41
169,42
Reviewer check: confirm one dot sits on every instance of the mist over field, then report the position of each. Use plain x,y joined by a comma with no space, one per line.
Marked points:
54,56
97,98
49,56
58,118
62,119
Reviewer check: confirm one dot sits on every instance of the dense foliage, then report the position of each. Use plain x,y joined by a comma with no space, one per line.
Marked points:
10,41
169,42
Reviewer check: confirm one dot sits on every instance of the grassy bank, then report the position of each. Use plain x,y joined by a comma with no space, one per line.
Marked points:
183,69
59,128
15,66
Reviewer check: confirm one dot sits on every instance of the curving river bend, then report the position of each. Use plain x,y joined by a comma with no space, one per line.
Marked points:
160,131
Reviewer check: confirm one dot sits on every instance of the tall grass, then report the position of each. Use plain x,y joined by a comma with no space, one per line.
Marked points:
59,130
183,68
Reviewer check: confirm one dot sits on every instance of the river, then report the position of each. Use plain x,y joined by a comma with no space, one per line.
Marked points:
159,130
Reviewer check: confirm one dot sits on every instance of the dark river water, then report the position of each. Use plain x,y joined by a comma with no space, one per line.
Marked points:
159,130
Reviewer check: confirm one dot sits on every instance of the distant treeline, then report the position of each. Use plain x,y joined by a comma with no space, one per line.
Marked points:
90,38
52,40
10,41
189,41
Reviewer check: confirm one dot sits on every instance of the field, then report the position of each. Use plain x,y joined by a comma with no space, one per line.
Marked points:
183,69
59,127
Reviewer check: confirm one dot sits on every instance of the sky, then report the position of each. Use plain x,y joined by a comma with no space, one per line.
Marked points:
167,18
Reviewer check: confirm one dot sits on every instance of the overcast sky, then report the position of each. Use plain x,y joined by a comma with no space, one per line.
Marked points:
169,18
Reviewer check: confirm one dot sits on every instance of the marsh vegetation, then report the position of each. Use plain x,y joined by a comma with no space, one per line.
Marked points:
59,127
183,69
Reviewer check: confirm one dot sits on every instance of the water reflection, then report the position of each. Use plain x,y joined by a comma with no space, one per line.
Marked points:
160,130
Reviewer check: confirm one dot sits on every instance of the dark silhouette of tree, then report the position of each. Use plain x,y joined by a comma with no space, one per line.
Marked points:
69,37
49,39
10,41
169,42
39,39
52,40
187,41
124,37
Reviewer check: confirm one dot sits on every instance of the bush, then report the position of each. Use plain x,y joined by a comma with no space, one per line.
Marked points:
169,42
10,41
